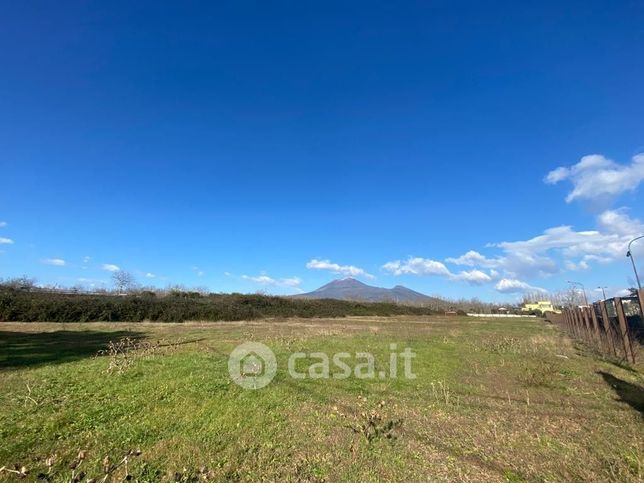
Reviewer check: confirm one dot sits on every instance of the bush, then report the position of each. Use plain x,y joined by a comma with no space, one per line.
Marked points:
41,306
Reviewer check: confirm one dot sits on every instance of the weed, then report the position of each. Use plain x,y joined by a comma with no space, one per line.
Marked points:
73,473
543,374
124,352
372,423
441,392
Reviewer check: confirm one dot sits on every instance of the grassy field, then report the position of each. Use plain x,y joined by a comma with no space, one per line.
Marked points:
494,400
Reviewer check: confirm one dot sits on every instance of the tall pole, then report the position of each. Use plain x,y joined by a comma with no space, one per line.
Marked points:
582,287
603,292
629,254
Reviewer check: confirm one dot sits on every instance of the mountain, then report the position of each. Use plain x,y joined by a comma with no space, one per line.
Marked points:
352,289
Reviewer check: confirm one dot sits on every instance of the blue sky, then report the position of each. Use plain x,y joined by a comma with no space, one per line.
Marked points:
244,146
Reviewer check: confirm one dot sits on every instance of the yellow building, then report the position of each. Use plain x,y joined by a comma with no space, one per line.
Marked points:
541,305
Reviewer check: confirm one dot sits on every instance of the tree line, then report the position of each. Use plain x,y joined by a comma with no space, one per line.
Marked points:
23,299
38,305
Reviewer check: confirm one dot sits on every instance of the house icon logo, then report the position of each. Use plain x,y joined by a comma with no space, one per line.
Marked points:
252,365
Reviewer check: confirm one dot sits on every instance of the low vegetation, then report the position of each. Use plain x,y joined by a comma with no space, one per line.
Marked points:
228,306
493,400
177,306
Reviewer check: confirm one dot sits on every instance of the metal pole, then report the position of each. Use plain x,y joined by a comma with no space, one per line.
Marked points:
629,254
637,277
603,292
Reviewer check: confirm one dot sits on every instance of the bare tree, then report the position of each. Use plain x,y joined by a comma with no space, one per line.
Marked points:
19,283
573,297
123,281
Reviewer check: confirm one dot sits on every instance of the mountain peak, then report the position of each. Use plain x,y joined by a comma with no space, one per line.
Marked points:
343,282
351,289
347,280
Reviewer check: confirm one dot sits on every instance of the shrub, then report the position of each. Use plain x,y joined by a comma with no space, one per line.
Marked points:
31,306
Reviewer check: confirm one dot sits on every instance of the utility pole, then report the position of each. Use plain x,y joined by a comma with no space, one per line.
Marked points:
603,292
629,254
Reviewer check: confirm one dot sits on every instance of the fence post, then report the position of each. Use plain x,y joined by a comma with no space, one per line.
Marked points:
584,324
623,328
607,327
580,322
575,322
589,330
589,323
598,334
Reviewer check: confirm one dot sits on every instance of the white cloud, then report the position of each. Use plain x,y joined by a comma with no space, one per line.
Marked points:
573,267
475,277
6,241
346,270
3,224
556,249
618,222
417,266
562,246
56,262
609,243
510,285
150,275
513,262
583,263
87,259
426,266
471,259
556,175
110,267
597,177
293,282
552,238
393,267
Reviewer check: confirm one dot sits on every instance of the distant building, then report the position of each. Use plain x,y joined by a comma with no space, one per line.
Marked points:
542,306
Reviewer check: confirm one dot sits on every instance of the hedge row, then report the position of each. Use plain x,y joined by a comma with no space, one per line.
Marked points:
34,306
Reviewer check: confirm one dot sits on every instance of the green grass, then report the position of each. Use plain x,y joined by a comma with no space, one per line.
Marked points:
494,400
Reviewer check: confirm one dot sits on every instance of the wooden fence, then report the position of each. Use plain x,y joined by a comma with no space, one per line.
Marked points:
615,327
